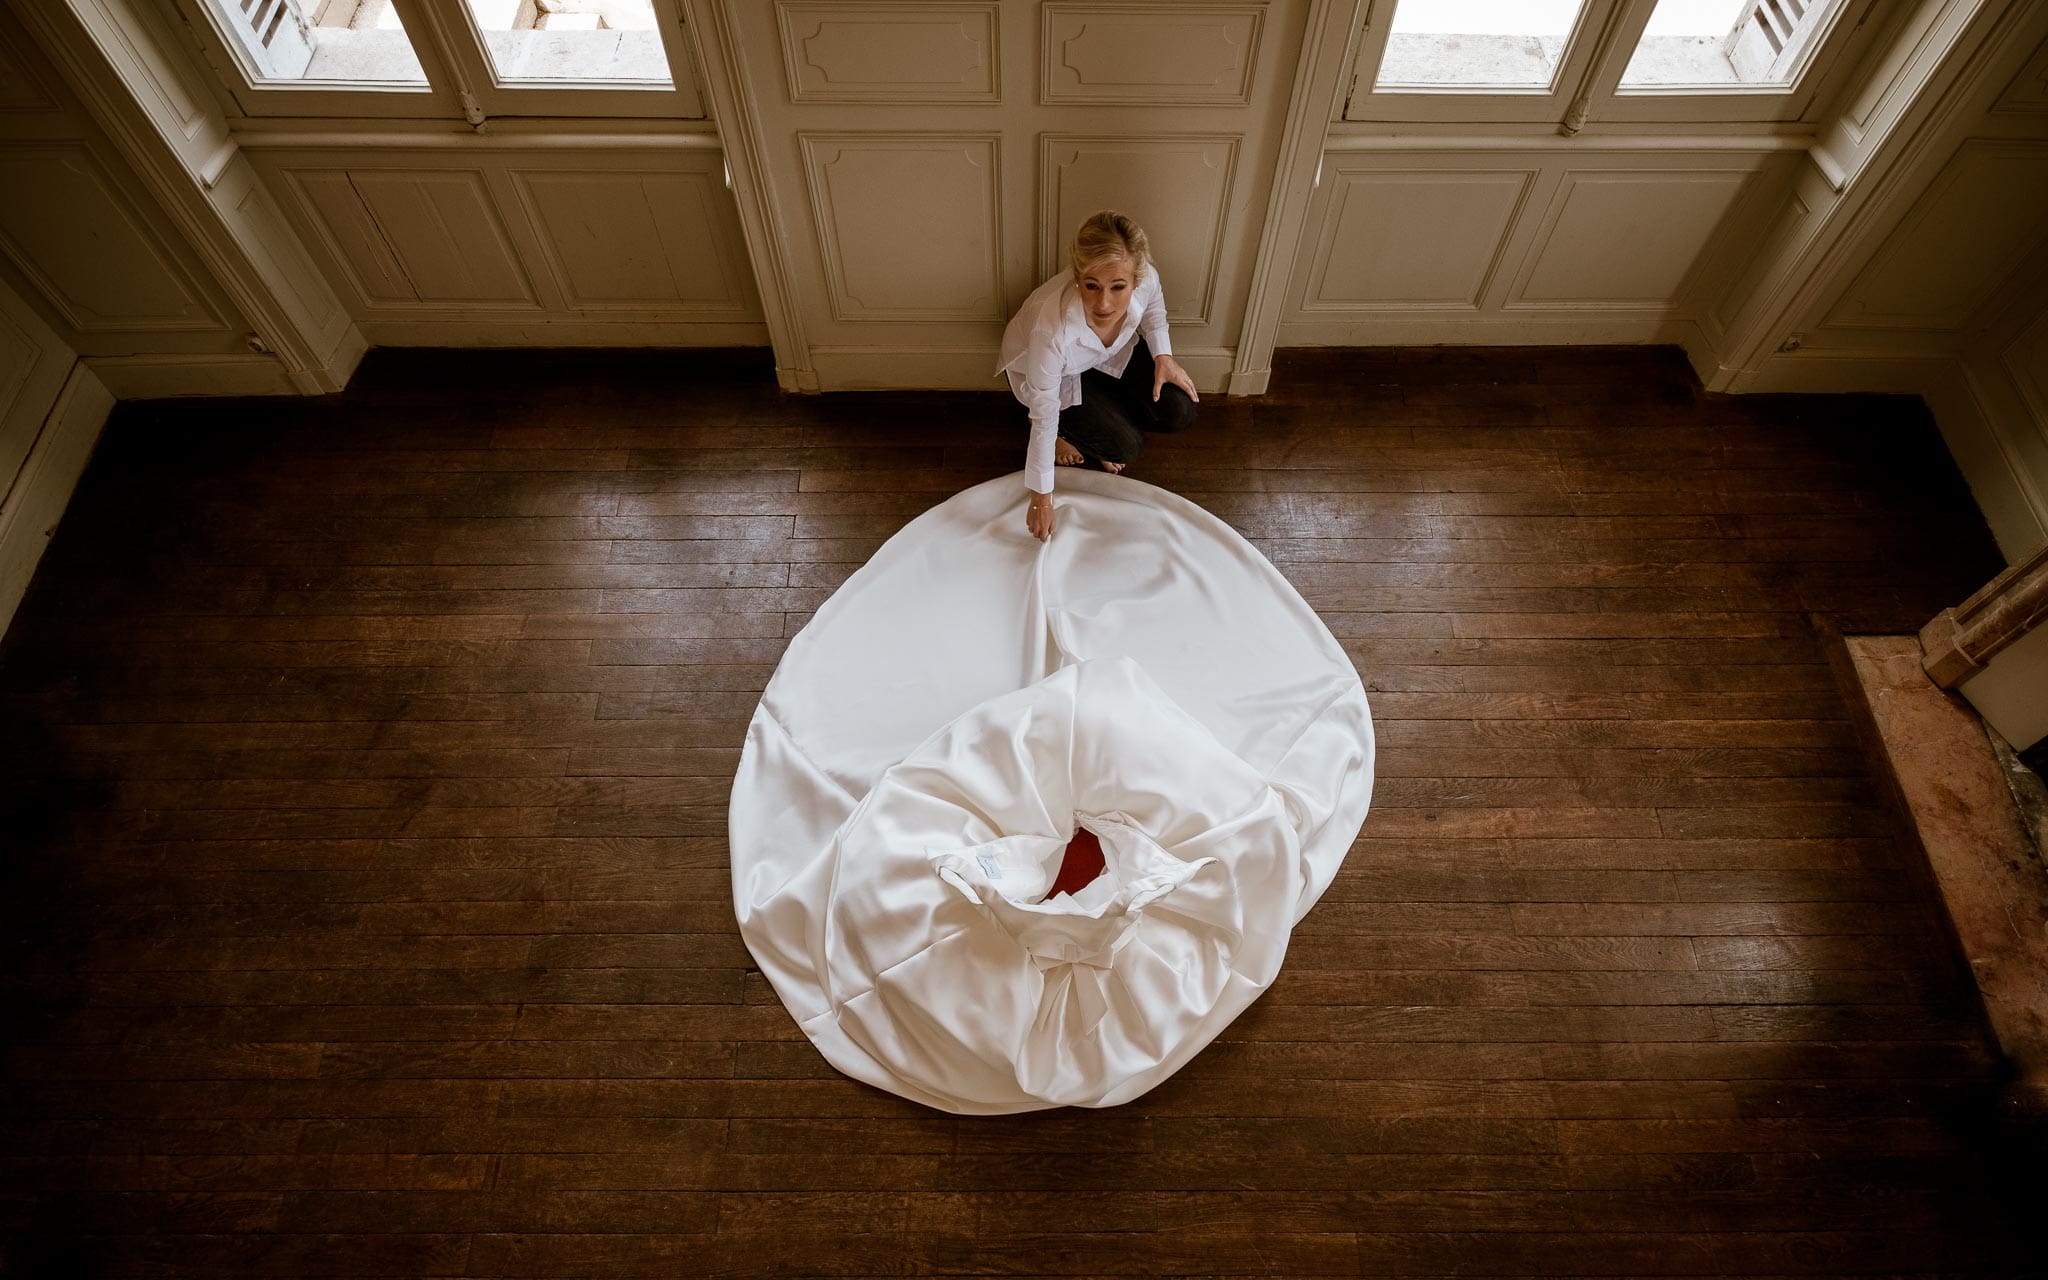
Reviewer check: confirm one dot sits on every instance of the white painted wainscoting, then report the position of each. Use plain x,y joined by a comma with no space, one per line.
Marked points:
870,186
629,238
911,171
85,242
1938,283
51,410
1549,240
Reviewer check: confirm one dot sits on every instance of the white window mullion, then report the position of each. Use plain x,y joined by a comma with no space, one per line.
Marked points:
468,71
558,58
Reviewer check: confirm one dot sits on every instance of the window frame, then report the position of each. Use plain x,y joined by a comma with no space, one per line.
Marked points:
1467,105
1736,104
256,97
461,82
1590,71
680,99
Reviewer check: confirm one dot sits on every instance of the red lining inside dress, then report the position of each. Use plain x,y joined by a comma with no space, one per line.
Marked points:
1083,862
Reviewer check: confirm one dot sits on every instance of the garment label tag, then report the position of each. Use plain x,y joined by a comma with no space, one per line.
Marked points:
989,866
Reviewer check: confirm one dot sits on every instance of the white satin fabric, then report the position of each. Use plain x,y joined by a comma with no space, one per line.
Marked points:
933,737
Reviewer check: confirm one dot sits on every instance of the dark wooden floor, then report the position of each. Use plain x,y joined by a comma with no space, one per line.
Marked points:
368,914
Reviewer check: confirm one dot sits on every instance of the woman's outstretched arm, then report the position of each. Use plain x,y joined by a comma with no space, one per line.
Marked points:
1041,395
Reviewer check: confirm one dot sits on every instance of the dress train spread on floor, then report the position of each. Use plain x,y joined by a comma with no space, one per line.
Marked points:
969,698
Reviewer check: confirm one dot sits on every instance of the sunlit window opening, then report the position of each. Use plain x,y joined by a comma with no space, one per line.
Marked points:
353,40
572,40
1708,43
1483,44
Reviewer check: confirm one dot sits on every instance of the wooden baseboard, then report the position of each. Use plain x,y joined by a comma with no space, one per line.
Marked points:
1425,328
42,489
161,377
548,331
965,369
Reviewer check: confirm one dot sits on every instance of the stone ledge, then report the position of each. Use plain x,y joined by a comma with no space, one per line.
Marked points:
1949,789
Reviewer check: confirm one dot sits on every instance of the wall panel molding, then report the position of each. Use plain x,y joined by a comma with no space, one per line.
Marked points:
1597,246
22,89
1365,259
409,237
1765,247
33,504
636,240
946,263
1956,247
2026,359
2027,95
141,86
328,199
1624,239
838,51
1178,187
634,246
34,366
94,256
1148,54
1919,95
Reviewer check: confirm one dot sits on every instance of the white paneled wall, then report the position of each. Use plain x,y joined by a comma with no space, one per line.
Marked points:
911,171
82,240
51,411
1176,185
834,52
1545,243
1953,251
434,245
1099,55
909,225
886,179
1942,289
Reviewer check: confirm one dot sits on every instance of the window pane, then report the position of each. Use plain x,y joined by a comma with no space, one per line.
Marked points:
360,41
613,41
1708,44
1476,44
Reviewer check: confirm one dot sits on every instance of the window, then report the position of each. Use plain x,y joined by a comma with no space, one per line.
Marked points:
1725,43
576,40
1476,43
1574,62
333,40
450,59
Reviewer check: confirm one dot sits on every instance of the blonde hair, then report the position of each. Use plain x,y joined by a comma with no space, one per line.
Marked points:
1110,236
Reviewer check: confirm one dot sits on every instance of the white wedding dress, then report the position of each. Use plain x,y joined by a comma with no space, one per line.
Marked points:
934,736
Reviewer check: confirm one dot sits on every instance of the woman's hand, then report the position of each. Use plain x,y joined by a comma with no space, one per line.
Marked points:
1166,369
1038,515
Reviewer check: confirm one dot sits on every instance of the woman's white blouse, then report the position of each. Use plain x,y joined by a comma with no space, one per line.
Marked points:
1048,346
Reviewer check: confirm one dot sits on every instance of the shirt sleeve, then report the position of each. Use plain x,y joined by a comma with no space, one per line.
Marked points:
1040,392
1152,325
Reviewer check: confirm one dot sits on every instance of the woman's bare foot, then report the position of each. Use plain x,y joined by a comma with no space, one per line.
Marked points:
1114,468
1066,455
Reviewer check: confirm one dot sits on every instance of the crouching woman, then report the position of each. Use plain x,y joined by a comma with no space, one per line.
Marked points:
1088,355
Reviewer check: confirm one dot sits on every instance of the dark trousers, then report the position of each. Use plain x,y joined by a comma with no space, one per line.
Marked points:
1110,423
